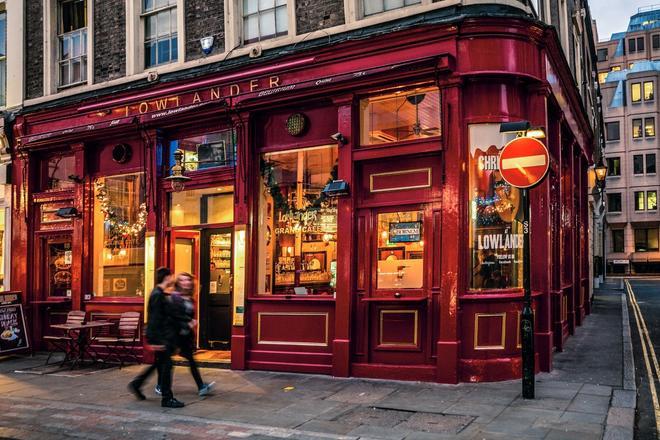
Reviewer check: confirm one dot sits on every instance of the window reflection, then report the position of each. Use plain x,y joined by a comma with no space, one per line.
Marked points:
206,151
202,206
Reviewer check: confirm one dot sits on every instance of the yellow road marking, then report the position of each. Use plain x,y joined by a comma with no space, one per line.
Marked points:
645,339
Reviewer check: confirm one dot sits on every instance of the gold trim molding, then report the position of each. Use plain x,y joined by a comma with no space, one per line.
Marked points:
397,173
476,331
415,329
303,344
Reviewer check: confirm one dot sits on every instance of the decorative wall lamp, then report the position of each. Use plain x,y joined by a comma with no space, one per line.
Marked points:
522,128
336,188
338,137
600,170
176,177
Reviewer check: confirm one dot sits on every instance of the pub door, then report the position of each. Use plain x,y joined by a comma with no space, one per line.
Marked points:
215,287
397,295
184,248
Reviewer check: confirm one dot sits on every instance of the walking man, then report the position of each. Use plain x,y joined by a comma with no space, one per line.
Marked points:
162,331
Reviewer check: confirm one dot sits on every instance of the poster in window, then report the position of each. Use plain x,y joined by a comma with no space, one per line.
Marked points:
405,232
496,239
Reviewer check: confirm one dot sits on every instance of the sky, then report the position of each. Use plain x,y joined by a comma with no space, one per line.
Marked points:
612,15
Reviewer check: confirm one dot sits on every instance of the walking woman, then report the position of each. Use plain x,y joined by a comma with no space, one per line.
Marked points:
182,300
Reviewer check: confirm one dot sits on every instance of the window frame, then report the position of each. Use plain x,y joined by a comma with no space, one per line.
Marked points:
638,159
612,166
646,234
616,124
640,44
600,51
646,200
651,96
647,161
610,197
637,197
636,91
291,18
632,45
144,15
62,35
615,240
652,120
655,41
641,128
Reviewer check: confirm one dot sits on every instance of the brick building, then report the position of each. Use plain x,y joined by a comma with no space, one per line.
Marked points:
414,270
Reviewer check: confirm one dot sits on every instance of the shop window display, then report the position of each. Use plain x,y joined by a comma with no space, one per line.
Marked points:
496,239
202,206
120,217
297,223
400,116
400,250
205,151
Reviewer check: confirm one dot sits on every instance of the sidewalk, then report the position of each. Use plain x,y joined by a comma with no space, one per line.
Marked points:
583,398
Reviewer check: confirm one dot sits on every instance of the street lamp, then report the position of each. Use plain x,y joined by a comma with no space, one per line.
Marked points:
600,170
176,177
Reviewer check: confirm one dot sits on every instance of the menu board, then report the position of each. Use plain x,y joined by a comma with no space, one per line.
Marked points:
13,334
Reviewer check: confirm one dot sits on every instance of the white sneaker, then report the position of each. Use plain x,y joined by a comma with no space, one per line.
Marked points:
206,389
158,391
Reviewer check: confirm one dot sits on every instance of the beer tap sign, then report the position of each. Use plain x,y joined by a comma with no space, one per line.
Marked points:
523,163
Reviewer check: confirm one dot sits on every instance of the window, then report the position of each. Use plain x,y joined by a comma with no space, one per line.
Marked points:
650,163
602,77
615,68
646,240
400,250
617,240
3,58
495,234
636,128
648,90
612,129
371,7
631,65
55,172
632,45
638,164
72,36
636,92
613,166
120,216
160,32
639,201
640,44
206,151
297,224
264,19
649,127
400,116
614,202
602,54
651,200
202,206
58,275
655,41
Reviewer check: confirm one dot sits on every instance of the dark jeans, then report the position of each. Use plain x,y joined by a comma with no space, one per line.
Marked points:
162,363
187,348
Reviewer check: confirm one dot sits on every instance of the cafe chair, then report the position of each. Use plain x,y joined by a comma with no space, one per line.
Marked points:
121,346
64,342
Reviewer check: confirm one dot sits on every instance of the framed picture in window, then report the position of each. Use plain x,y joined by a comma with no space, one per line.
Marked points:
119,284
391,253
212,154
314,261
415,255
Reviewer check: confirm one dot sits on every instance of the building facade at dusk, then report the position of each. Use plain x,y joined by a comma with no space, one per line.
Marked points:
412,270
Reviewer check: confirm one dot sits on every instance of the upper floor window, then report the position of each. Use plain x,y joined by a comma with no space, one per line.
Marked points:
646,239
209,150
602,77
615,68
400,116
617,240
3,58
371,7
636,45
264,19
55,172
638,164
648,90
602,54
655,39
614,202
612,129
160,32
649,127
636,92
613,166
72,36
650,163
636,128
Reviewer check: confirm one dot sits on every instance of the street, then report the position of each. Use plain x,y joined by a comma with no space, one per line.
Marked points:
644,298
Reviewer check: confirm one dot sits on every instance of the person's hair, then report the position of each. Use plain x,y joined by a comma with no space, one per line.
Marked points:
177,282
161,273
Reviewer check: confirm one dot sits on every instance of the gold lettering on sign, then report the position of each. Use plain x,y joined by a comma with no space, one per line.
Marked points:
274,81
234,89
215,92
143,107
161,104
196,98
254,84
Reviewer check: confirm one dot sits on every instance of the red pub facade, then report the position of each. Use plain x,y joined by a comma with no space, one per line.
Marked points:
414,272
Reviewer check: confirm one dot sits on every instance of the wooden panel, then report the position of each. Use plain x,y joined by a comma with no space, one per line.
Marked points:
292,328
398,328
489,331
400,180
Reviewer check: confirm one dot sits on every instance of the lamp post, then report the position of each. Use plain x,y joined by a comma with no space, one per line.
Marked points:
176,177
600,170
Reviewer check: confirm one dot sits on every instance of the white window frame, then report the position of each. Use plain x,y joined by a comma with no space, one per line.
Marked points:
234,26
144,15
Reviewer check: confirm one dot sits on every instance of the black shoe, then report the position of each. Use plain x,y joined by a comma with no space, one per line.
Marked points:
133,388
172,403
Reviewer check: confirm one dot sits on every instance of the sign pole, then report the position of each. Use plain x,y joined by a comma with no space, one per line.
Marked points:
527,317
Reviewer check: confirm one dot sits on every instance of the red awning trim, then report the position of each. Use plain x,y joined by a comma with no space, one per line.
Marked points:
26,140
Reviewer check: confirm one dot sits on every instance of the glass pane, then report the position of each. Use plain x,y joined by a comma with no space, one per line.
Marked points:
173,21
416,2
147,5
649,127
267,24
651,200
202,206
400,251
251,28
250,7
372,6
639,200
496,239
163,23
119,235
399,117
175,48
220,258
205,151
184,255
3,34
636,92
150,54
83,68
280,2
266,4
56,172
637,128
64,73
162,3
638,164
282,20
64,48
163,51
297,250
75,45
60,256
76,75
650,163
652,238
150,23
393,4
3,82
648,91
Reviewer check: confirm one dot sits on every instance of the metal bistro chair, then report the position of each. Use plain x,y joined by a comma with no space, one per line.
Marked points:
121,346
64,342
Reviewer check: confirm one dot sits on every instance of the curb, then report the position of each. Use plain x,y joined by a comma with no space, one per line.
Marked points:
621,415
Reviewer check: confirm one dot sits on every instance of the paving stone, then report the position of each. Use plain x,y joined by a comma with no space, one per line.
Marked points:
624,417
377,432
542,403
364,393
327,426
375,417
559,434
598,390
618,433
436,423
580,417
590,404
624,399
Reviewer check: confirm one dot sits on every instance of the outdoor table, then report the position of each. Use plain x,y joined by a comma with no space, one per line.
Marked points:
81,340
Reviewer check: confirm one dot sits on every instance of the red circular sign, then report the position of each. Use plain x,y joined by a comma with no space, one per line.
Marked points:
523,162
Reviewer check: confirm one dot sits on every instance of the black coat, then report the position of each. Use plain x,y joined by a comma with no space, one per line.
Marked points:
162,327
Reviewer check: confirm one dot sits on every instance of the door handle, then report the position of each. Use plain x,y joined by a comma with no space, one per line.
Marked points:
397,294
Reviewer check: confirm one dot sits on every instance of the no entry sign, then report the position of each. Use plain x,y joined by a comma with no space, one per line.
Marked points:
524,162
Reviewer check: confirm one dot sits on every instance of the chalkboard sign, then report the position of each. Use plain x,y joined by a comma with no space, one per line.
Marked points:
13,336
